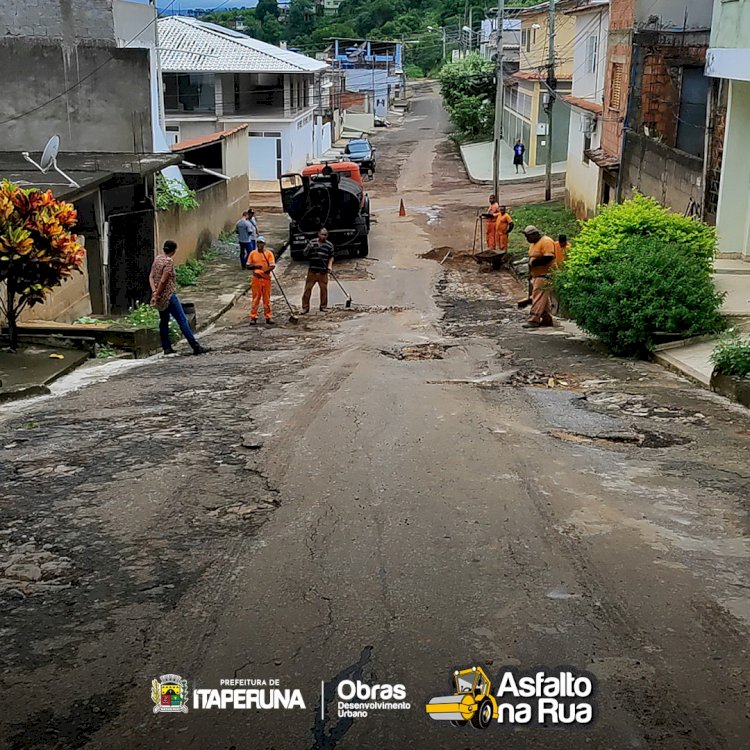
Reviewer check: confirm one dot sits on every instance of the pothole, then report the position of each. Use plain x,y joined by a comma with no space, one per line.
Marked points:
534,377
417,351
637,405
641,439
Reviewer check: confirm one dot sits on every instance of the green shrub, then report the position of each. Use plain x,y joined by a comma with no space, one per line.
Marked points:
148,317
636,270
551,218
626,295
187,274
732,355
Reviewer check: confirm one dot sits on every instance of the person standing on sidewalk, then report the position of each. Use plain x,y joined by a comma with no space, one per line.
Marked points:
319,254
163,282
246,232
541,263
262,262
518,151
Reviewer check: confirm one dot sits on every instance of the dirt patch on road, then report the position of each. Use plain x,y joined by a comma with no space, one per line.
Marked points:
418,351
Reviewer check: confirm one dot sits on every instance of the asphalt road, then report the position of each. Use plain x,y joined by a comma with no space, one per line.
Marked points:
381,495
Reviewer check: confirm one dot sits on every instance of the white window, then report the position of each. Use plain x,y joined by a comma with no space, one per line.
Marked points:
592,49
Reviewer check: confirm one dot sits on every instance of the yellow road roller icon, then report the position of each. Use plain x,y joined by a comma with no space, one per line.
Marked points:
472,702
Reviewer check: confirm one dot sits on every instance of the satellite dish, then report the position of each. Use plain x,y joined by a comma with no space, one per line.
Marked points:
49,155
49,160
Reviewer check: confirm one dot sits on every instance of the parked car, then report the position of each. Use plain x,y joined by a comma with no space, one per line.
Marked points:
361,152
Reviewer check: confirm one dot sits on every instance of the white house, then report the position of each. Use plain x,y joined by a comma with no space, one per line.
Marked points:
583,176
215,79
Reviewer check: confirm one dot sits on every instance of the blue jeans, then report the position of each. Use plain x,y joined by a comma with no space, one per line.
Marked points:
244,253
174,308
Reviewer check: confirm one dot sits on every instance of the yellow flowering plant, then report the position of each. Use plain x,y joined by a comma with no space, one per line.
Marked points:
38,249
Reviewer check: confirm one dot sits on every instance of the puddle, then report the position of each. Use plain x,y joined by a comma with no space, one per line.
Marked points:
417,351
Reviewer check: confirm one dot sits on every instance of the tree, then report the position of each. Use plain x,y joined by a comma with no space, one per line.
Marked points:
301,20
266,8
37,249
468,88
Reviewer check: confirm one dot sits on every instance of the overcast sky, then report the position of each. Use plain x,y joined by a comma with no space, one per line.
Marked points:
209,4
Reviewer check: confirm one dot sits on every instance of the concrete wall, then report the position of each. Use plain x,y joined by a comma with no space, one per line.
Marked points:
297,144
221,205
671,176
731,25
110,111
66,303
582,179
67,20
733,216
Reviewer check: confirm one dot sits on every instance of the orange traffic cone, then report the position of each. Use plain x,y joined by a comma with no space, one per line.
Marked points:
402,209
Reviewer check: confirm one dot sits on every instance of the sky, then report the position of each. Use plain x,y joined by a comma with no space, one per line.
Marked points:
209,4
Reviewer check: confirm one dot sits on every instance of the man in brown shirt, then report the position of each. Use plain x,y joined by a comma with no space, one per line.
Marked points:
541,262
163,282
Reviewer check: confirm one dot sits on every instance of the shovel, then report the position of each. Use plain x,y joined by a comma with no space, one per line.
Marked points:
292,317
524,303
348,298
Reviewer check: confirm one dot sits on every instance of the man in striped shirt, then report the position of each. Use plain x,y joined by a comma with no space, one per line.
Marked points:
319,254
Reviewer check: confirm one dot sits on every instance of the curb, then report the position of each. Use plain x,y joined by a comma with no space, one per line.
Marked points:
241,292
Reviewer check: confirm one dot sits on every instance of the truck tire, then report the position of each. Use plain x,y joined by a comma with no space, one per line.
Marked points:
483,716
297,254
364,246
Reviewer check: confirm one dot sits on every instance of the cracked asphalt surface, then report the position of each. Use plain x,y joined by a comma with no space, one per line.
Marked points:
381,494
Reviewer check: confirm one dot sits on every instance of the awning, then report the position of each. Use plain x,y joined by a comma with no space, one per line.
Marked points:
89,170
602,159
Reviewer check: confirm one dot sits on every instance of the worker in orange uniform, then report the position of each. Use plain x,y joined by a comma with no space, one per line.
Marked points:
504,226
541,263
490,223
561,250
262,262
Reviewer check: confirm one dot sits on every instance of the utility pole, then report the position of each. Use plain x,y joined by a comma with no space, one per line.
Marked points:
551,95
499,96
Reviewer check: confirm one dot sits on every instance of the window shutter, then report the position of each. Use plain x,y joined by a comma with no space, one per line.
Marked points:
615,90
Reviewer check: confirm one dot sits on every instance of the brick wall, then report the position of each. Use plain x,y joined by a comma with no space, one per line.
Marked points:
67,20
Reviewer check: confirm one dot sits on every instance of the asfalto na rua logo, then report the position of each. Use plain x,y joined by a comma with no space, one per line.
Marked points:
538,697
169,694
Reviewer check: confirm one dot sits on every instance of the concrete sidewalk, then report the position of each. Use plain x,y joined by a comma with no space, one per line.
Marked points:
477,159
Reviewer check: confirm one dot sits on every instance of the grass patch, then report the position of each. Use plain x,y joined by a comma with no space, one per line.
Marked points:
552,219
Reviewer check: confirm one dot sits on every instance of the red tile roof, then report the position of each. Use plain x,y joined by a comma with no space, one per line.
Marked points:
586,104
602,159
205,140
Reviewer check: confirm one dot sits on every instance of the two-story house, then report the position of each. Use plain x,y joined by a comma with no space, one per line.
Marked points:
215,79
656,102
728,59
528,92
582,175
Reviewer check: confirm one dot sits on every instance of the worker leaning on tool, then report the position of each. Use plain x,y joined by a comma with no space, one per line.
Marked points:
541,263
262,262
490,223
319,254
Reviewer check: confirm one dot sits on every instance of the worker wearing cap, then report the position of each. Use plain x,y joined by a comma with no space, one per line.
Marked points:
504,226
261,262
490,223
541,263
